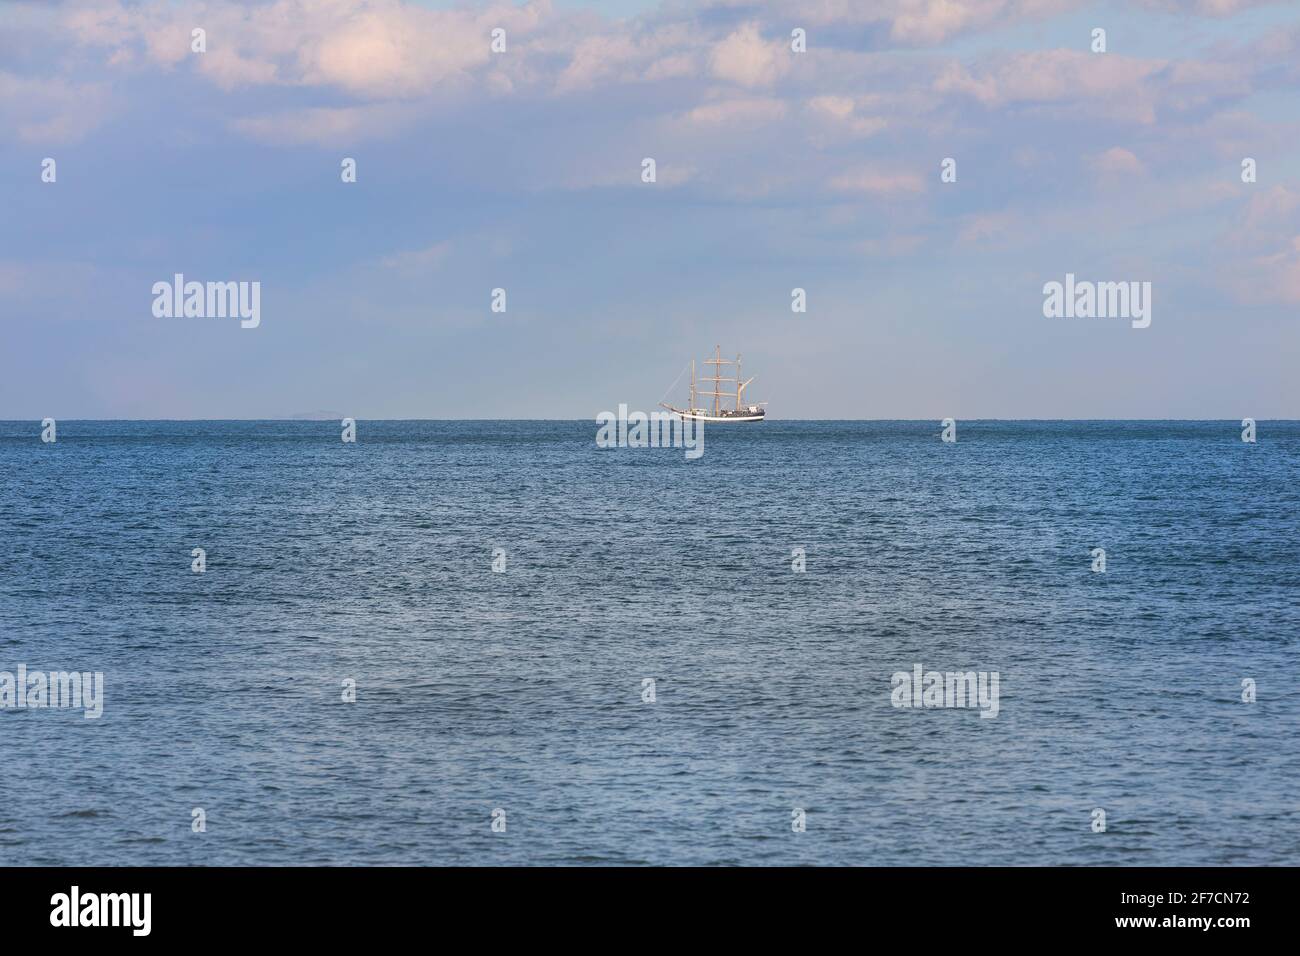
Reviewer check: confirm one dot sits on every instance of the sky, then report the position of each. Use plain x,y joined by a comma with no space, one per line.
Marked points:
775,170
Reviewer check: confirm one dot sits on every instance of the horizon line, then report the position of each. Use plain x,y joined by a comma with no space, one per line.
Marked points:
593,420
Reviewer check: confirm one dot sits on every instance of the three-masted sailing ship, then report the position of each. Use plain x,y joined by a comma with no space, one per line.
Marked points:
741,412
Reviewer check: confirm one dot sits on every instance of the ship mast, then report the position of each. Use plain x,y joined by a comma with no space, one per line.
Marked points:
739,386
717,362
691,406
717,382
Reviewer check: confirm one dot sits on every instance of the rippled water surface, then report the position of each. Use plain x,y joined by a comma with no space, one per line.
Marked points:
522,690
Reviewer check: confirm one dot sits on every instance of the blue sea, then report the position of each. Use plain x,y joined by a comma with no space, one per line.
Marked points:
523,690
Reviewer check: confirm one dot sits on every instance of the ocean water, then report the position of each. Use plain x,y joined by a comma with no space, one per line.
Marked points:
522,690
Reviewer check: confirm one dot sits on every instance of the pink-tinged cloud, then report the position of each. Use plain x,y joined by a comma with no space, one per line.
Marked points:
340,127
984,228
747,59
751,111
595,59
1116,85
51,111
892,246
840,113
1207,8
836,107
1116,161
934,21
603,54
908,22
1260,252
418,261
879,183
368,48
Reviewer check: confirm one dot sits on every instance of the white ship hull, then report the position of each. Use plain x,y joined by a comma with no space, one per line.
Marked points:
699,416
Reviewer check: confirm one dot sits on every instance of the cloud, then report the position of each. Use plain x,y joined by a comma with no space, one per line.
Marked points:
933,21
892,247
1111,84
599,52
1261,249
837,107
51,111
744,57
596,58
755,110
878,183
712,91
1208,8
367,48
1116,161
839,112
11,277
990,227
326,125
628,176
418,261
904,22
398,50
